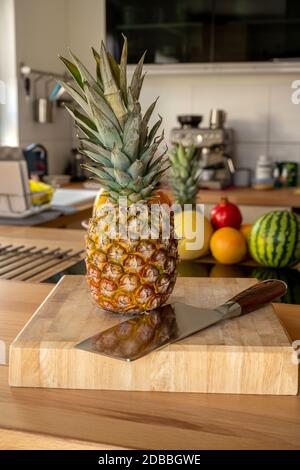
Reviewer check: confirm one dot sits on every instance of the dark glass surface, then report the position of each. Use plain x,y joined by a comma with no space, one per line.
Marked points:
205,30
78,268
170,30
199,269
250,30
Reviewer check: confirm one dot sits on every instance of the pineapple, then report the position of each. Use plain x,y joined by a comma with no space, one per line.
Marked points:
185,174
126,274
185,179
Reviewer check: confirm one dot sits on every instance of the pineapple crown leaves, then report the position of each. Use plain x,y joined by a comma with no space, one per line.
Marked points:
185,173
113,133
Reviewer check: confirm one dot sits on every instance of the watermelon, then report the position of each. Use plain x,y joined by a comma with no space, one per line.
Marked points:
275,239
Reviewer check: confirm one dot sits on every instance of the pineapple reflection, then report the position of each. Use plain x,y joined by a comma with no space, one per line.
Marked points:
138,336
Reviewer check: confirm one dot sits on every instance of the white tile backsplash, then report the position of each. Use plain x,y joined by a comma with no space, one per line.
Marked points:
55,136
284,152
284,115
259,109
174,98
59,154
246,107
41,31
248,153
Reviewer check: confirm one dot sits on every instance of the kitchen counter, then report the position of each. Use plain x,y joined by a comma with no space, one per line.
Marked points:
71,205
247,198
41,236
253,203
77,419
288,197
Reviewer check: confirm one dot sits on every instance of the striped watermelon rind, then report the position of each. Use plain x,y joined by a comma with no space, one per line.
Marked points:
275,239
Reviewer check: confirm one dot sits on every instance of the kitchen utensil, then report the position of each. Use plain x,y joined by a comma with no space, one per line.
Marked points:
190,120
250,354
36,156
217,118
57,92
43,107
264,178
33,263
78,173
173,322
207,174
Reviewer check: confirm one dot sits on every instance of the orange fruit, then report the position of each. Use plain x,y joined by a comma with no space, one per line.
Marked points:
100,199
161,196
228,245
245,229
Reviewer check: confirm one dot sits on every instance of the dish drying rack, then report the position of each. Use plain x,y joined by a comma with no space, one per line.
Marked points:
34,263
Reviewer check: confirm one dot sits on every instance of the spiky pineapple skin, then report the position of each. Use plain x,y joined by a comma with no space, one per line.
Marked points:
185,173
130,276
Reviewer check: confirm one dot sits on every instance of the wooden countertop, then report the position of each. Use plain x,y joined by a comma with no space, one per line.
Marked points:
248,196
285,197
77,419
288,197
42,236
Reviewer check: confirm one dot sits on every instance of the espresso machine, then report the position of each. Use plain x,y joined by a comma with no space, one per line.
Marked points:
214,145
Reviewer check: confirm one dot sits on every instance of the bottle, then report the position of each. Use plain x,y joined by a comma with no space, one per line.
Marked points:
277,179
264,178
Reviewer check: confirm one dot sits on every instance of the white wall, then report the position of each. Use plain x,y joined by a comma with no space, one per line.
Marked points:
8,110
44,29
259,109
41,34
86,28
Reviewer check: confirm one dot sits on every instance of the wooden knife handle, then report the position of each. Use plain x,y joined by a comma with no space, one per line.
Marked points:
260,294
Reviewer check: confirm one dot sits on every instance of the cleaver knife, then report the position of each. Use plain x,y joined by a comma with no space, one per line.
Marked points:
149,331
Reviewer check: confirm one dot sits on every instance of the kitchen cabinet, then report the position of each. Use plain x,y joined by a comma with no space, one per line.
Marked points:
192,31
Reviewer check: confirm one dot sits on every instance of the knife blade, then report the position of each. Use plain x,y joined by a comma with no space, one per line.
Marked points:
140,335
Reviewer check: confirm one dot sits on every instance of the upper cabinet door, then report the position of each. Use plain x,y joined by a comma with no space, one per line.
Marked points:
195,31
170,30
256,30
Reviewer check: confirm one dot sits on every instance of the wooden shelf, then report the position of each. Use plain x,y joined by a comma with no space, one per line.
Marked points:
283,197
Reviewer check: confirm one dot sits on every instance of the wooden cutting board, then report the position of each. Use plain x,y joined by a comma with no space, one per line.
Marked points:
251,354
